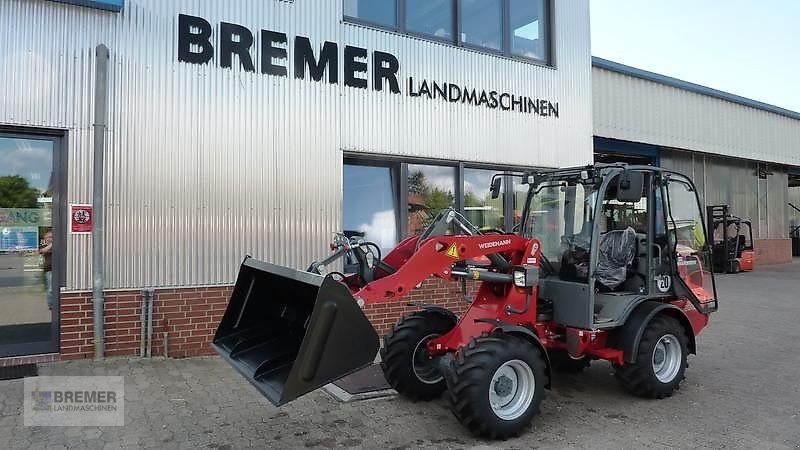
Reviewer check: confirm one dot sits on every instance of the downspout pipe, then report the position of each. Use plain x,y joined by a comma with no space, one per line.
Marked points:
98,219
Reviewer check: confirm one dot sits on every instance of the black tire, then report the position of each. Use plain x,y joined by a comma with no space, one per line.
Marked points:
470,380
561,361
640,378
397,355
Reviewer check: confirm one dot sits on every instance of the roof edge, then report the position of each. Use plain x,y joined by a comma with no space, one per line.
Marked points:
692,87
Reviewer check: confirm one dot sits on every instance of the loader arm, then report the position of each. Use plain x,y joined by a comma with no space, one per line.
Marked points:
436,257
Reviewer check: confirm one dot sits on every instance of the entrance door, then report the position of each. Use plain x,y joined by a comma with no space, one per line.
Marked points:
691,250
30,245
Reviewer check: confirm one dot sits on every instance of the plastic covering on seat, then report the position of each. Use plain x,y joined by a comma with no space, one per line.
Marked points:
617,249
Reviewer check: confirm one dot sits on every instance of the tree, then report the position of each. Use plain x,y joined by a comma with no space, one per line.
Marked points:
15,192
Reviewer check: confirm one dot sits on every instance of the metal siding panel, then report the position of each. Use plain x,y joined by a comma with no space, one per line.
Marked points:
634,109
205,165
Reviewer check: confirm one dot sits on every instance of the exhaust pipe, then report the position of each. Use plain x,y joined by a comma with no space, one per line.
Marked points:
290,332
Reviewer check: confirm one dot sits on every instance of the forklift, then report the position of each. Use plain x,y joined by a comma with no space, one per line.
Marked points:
732,248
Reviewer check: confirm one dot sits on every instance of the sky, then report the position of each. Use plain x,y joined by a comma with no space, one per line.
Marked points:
748,48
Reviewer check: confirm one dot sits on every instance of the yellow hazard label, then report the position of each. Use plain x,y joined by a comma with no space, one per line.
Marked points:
453,252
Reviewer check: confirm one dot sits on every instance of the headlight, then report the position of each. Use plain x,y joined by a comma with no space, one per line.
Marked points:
526,276
519,278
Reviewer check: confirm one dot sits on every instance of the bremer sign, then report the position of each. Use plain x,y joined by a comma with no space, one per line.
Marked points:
196,46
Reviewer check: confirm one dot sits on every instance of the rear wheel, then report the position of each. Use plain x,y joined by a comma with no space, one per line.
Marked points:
404,358
496,384
660,360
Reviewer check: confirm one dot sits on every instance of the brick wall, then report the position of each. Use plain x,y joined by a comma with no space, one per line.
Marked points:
773,251
191,315
433,290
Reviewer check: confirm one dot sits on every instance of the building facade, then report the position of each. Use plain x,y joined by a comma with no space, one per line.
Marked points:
739,152
259,128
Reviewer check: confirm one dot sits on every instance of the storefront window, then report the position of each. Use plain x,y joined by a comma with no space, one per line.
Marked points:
480,208
430,189
370,205
528,28
380,12
482,23
27,292
430,17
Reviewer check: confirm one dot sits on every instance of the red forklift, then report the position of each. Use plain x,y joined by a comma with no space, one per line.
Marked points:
732,247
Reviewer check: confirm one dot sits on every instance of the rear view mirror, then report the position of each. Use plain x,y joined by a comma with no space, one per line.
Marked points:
630,186
497,180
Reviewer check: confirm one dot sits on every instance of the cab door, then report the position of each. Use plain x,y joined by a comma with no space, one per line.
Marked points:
690,251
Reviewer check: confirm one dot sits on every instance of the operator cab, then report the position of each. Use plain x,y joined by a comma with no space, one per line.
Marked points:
609,241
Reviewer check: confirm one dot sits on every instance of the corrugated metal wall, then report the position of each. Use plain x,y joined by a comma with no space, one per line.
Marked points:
205,164
736,183
638,110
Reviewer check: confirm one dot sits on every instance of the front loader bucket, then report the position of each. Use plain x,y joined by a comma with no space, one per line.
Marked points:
289,332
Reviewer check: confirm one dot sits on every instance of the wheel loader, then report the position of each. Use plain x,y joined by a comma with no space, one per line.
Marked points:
610,262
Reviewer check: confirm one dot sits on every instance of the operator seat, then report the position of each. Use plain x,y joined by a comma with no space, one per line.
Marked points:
617,249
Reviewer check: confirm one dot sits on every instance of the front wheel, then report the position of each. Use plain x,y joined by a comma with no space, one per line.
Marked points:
404,357
496,384
660,360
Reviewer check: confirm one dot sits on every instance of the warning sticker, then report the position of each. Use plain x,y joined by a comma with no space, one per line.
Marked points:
453,252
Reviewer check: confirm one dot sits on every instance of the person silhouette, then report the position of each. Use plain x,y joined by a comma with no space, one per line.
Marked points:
46,250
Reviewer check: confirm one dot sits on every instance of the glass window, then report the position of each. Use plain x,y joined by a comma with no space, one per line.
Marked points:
482,23
27,295
431,17
528,21
381,12
687,235
557,216
480,208
430,189
370,204
518,201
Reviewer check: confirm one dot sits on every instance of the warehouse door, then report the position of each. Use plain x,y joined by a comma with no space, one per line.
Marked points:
30,245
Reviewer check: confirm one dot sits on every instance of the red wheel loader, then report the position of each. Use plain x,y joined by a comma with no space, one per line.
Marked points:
610,262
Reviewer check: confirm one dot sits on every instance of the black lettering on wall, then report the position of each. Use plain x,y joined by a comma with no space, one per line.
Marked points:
187,38
516,102
470,96
553,109
352,66
455,92
269,53
304,56
424,89
411,92
532,106
241,47
483,99
505,106
439,91
385,67
493,100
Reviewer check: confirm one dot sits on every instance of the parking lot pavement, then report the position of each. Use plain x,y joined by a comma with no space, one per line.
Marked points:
742,391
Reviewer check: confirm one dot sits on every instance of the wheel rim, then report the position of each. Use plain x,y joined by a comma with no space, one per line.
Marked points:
511,389
424,368
667,358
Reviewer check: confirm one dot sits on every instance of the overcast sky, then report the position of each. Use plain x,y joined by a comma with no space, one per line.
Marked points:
749,48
